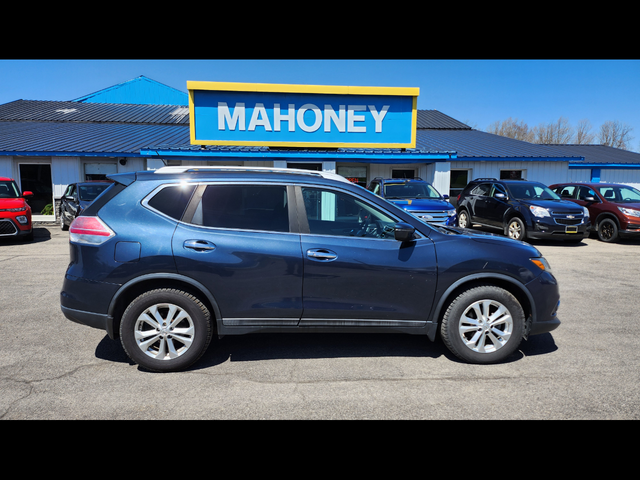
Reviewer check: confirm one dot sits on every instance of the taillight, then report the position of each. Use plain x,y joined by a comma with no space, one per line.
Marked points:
89,230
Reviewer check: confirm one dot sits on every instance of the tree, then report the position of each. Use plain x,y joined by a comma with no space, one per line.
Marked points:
612,133
559,133
615,134
583,135
511,128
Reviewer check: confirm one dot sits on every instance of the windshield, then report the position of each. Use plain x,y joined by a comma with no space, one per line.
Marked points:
9,189
88,193
532,191
410,190
620,194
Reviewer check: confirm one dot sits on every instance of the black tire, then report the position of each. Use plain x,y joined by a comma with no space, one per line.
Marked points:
464,221
607,230
516,229
63,226
476,340
189,342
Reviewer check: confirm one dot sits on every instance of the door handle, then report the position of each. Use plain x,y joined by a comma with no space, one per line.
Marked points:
199,245
321,255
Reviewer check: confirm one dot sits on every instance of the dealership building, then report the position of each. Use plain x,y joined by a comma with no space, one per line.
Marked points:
358,132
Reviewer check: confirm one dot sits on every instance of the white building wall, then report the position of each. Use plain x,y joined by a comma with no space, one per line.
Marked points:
629,177
64,170
6,167
539,171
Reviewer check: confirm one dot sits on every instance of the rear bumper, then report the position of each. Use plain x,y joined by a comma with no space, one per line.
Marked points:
87,302
91,319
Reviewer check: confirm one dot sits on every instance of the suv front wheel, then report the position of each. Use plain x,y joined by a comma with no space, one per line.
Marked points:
607,230
516,229
165,330
484,324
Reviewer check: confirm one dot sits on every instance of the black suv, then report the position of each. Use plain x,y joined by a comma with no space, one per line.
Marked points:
77,197
522,210
164,260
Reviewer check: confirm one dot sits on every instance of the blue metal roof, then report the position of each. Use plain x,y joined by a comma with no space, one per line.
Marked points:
72,128
477,145
56,111
64,139
141,91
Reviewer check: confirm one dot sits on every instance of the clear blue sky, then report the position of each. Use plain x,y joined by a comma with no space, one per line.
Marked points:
477,92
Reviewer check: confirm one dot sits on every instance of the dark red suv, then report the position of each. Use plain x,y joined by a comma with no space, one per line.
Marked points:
15,212
614,208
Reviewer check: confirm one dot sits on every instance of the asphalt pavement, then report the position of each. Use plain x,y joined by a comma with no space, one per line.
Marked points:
52,368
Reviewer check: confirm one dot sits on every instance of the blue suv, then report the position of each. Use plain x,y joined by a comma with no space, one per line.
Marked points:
164,260
417,197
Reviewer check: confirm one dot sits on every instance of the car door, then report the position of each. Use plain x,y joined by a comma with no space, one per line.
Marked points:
355,272
478,202
587,197
496,205
70,204
235,239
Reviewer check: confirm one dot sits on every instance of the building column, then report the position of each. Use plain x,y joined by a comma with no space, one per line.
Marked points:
442,177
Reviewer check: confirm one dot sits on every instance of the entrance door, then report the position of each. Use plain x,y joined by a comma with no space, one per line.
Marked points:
36,178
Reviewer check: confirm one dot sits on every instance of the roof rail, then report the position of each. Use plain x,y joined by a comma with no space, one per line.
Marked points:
240,168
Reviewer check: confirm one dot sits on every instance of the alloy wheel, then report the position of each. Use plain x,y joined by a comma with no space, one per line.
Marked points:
485,326
164,331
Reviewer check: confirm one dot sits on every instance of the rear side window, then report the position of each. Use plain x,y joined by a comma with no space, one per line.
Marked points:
245,207
172,200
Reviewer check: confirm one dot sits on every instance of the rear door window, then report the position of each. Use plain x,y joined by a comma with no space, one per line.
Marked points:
172,200
244,207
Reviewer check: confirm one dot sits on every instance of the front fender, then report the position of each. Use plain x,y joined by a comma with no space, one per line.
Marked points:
505,281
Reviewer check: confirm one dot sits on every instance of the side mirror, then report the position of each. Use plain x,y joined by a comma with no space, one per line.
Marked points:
589,199
501,196
403,232
27,194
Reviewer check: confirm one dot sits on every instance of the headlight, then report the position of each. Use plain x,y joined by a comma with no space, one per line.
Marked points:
541,263
539,211
451,213
586,212
630,212
12,209
22,219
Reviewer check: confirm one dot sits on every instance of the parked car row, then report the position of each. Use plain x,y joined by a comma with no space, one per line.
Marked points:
524,209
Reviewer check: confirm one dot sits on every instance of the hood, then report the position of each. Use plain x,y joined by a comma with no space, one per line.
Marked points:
488,237
6,203
423,204
554,204
634,205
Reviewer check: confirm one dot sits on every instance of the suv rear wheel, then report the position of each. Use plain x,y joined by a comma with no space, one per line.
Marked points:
463,219
165,330
484,324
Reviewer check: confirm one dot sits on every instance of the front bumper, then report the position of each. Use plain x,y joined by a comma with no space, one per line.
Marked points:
631,230
546,295
546,230
10,227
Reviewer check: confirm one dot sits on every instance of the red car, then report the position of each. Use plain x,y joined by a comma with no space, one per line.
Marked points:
614,208
15,212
